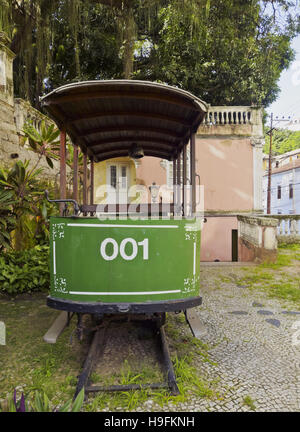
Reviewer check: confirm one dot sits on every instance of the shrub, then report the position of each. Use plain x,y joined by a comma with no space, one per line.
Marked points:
25,271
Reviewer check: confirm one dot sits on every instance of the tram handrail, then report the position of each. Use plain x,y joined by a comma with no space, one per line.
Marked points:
67,200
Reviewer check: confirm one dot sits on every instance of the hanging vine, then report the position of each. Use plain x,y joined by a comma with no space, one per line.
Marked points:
176,41
74,8
5,19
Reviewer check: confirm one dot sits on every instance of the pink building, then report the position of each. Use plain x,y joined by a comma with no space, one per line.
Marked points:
229,162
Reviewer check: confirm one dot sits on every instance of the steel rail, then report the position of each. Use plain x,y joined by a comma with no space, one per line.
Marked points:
99,342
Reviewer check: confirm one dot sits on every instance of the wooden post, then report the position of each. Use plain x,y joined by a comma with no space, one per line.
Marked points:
193,171
92,183
75,173
179,182
174,181
84,179
184,180
63,172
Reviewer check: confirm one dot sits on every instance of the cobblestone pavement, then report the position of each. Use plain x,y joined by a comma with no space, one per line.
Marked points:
251,339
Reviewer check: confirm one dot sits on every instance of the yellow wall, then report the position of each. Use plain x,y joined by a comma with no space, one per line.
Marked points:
100,179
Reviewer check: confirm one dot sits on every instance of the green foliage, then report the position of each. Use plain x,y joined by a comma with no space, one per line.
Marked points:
7,219
283,141
273,278
230,53
5,19
28,206
249,402
227,52
41,403
24,271
24,211
43,143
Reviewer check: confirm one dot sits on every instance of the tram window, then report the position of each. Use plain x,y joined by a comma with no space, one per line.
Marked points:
124,177
113,176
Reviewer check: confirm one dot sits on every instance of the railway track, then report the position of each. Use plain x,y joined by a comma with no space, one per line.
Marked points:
136,338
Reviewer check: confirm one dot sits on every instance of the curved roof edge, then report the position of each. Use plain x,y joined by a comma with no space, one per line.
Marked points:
112,114
82,84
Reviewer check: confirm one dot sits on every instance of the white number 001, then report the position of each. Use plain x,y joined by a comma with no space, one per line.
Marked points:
121,250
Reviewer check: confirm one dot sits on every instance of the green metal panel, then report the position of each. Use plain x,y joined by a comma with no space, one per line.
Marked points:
124,260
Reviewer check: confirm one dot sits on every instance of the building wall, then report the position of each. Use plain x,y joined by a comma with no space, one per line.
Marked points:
285,204
216,238
152,170
225,167
229,161
100,178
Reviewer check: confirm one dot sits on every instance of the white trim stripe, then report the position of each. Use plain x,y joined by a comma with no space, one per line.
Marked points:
121,226
195,254
54,258
124,293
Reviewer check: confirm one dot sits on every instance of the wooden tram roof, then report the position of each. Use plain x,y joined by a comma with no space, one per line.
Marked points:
106,117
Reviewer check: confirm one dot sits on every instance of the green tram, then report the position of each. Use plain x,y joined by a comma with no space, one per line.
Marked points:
145,258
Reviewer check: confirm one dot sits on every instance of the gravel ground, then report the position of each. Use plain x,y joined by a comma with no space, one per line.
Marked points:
254,346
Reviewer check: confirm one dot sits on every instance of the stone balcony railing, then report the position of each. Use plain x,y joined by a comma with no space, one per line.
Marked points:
288,229
24,112
232,120
221,115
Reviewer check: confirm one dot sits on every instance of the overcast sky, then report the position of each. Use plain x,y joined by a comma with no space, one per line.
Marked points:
288,101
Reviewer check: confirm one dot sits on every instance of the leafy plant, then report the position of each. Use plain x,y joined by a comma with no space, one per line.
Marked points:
7,218
41,403
25,271
27,206
23,185
43,142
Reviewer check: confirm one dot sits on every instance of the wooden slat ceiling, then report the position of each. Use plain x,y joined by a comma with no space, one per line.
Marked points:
106,117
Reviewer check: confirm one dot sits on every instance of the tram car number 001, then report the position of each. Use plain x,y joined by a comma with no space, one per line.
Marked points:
116,250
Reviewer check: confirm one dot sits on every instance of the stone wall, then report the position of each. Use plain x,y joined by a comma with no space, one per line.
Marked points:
9,141
13,115
257,238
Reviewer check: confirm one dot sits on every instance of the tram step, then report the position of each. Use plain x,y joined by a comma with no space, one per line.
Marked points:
196,326
57,328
